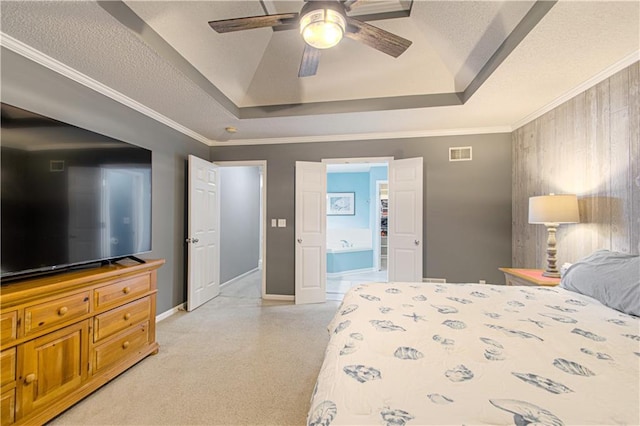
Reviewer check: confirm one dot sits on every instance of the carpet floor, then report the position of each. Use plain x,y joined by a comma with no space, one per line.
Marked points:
237,360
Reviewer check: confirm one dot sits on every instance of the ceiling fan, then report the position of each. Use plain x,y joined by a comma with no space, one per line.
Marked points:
322,24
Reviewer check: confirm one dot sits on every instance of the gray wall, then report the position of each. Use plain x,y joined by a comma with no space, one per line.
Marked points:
240,221
31,86
588,146
467,205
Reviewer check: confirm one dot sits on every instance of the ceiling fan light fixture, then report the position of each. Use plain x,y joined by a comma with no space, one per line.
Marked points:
322,28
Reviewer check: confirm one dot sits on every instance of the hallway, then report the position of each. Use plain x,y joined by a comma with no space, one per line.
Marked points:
247,287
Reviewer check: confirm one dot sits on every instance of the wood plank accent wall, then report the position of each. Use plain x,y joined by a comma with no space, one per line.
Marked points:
589,146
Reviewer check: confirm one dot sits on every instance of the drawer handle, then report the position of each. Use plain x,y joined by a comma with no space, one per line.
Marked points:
29,379
63,311
126,290
125,345
127,316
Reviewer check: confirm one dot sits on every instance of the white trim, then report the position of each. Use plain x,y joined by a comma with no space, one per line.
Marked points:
167,314
375,160
368,136
282,297
239,277
262,165
434,280
54,65
241,163
601,76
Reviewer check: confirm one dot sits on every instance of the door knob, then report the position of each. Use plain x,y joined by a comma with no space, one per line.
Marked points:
416,242
300,240
29,379
195,240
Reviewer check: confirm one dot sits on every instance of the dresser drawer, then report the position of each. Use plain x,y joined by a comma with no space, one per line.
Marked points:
122,291
8,407
7,366
49,314
8,327
116,320
120,347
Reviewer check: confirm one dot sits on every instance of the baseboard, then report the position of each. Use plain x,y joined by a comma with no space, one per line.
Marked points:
167,314
434,280
283,297
239,277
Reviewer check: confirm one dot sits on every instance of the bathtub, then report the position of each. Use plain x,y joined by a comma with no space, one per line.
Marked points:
349,250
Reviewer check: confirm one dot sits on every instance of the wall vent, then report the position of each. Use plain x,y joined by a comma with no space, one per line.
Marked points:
435,280
56,165
460,153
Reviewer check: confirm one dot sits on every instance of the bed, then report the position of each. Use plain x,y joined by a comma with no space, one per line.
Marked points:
420,353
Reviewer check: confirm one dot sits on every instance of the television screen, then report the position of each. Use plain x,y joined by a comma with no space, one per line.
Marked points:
69,196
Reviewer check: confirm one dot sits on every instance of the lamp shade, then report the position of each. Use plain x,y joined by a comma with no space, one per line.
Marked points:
554,209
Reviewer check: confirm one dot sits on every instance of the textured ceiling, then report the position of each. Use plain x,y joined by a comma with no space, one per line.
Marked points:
243,64
165,59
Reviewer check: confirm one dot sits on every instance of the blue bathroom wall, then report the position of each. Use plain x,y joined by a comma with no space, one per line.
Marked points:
379,173
351,182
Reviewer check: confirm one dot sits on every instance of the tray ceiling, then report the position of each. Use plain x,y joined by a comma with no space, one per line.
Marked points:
474,66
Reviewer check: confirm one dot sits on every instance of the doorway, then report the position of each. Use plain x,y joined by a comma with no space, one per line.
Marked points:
356,235
242,228
404,224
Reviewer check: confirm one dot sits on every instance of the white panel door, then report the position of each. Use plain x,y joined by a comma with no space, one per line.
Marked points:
405,220
203,233
311,258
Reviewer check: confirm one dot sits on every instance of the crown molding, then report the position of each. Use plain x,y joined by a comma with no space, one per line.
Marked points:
367,136
56,66
598,78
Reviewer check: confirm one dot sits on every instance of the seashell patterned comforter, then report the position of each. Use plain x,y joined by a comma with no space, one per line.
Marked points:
473,354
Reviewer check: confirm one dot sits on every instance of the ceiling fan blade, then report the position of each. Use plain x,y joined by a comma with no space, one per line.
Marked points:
310,61
348,4
251,22
377,38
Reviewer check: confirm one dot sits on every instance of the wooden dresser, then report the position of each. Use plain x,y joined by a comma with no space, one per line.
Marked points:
63,336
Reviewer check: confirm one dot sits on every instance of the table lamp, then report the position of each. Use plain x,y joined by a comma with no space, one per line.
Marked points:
553,210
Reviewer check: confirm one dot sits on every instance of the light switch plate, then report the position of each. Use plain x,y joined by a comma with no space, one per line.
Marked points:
282,223
274,223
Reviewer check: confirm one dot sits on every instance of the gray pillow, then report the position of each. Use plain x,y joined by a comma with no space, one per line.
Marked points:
611,278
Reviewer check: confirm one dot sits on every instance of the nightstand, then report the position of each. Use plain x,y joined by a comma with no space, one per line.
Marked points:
514,276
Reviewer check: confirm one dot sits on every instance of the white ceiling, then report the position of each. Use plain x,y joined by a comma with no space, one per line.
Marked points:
163,59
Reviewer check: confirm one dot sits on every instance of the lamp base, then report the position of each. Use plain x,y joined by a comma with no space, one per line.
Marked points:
551,274
552,269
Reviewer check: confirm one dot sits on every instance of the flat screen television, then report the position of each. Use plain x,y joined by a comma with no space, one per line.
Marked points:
69,197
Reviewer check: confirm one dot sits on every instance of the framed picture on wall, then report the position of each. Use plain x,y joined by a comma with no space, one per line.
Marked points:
341,203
